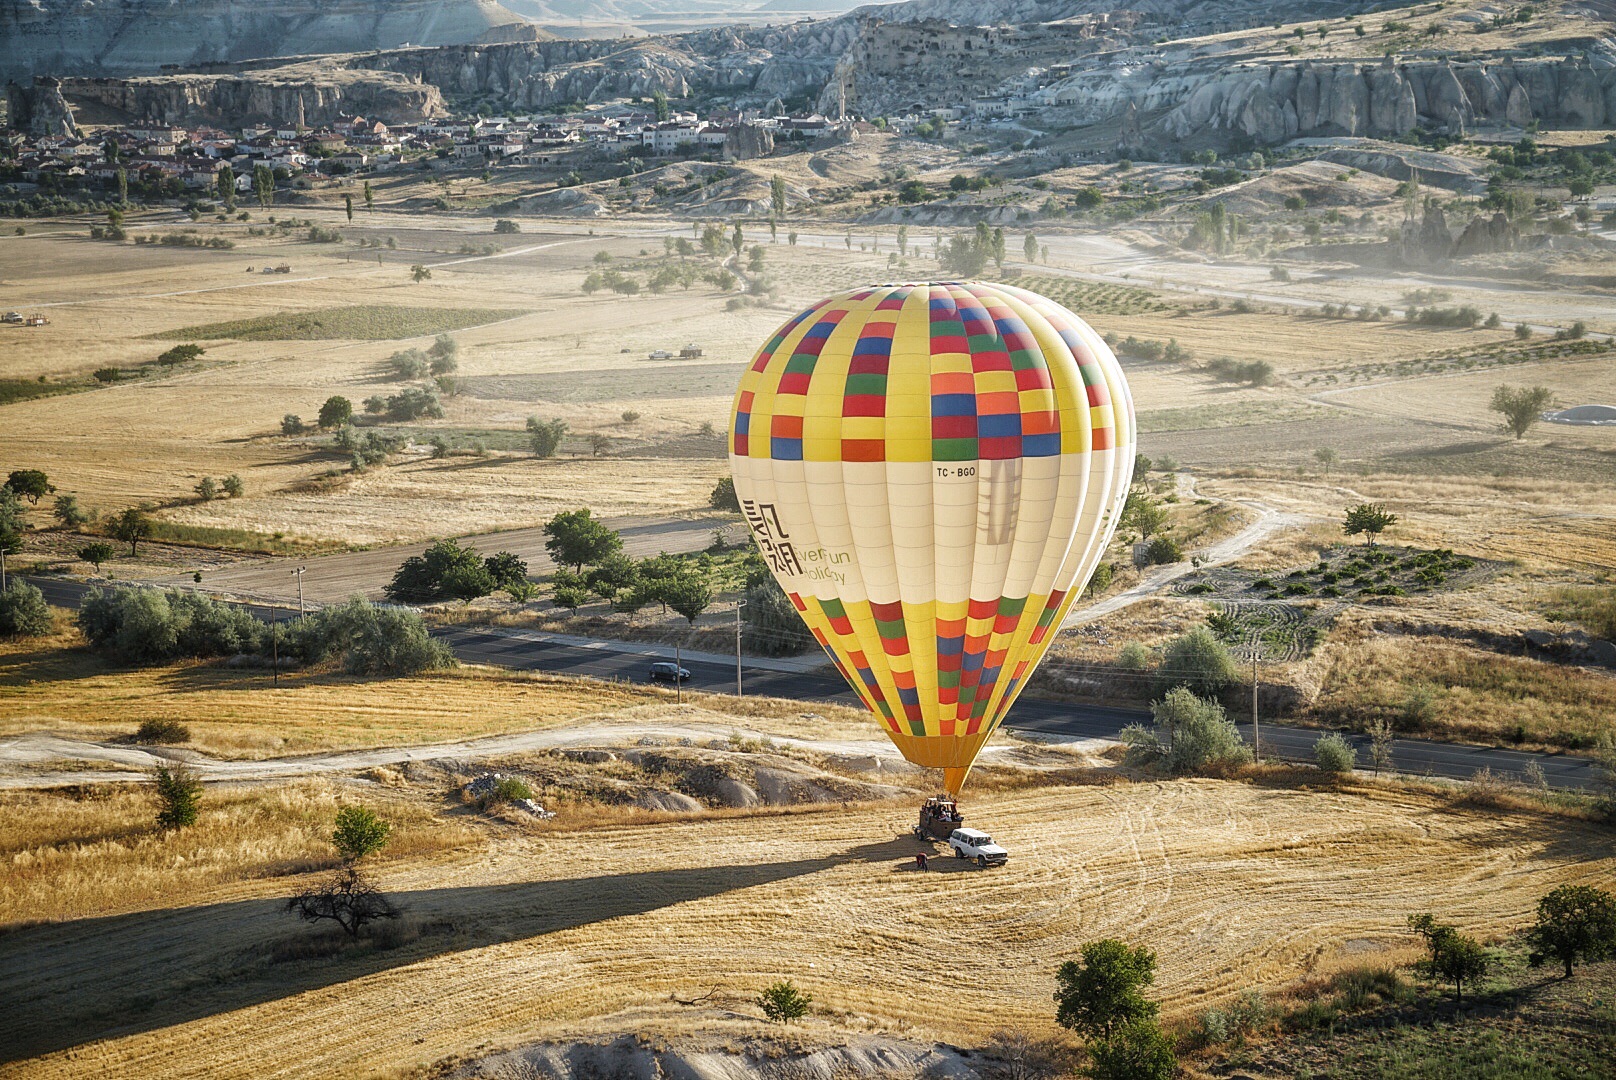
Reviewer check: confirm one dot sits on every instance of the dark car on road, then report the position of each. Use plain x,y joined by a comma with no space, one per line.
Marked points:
666,672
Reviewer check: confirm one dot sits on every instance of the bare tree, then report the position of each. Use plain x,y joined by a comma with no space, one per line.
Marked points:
347,897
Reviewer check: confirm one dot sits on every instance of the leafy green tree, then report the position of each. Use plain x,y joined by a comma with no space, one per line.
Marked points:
1451,956
292,424
445,571
1198,660
1521,406
689,592
506,570
1137,1051
1371,519
782,1002
132,526
207,489
544,436
30,484
1029,248
369,198
420,273
1575,923
347,205
96,553
913,191
723,496
777,194
1143,512
67,512
613,575
659,102
1104,991
179,796
10,525
359,833
577,539
23,611
336,411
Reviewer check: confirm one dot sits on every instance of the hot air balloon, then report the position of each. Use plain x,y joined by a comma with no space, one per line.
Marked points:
932,473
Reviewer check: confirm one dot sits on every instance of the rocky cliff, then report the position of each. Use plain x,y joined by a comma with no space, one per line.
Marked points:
114,37
1272,102
532,75
39,108
318,96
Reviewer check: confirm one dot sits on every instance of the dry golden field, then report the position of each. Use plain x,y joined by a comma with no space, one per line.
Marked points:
514,936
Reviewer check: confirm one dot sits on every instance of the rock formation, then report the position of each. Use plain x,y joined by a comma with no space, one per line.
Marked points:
1269,103
1487,236
747,141
82,37
40,109
310,93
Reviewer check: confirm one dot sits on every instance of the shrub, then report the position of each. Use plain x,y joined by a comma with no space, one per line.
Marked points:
1138,1051
1195,733
782,1002
207,489
23,611
107,374
359,832
336,411
506,226
544,436
1133,657
162,732
232,486
1199,661
1103,991
507,789
1163,550
1334,754
723,496
179,796
291,424
376,641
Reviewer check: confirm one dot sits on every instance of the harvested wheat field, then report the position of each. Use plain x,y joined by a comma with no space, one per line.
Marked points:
533,934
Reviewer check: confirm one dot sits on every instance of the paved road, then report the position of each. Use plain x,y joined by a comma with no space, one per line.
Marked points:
628,661
334,578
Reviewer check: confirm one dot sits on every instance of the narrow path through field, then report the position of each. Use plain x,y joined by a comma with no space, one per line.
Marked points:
280,279
120,762
1269,522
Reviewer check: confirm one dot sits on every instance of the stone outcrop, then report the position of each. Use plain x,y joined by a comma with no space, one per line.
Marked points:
128,37
318,96
1270,103
533,75
39,108
1426,241
748,141
1487,236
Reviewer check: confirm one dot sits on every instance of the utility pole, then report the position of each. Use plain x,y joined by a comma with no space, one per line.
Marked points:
739,604
1256,734
274,646
298,573
678,677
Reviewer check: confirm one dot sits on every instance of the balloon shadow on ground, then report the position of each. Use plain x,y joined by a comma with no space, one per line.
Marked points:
70,983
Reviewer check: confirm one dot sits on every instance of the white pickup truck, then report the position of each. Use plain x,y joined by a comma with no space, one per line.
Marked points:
978,845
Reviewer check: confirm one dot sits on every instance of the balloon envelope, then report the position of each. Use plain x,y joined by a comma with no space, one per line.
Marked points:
932,472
